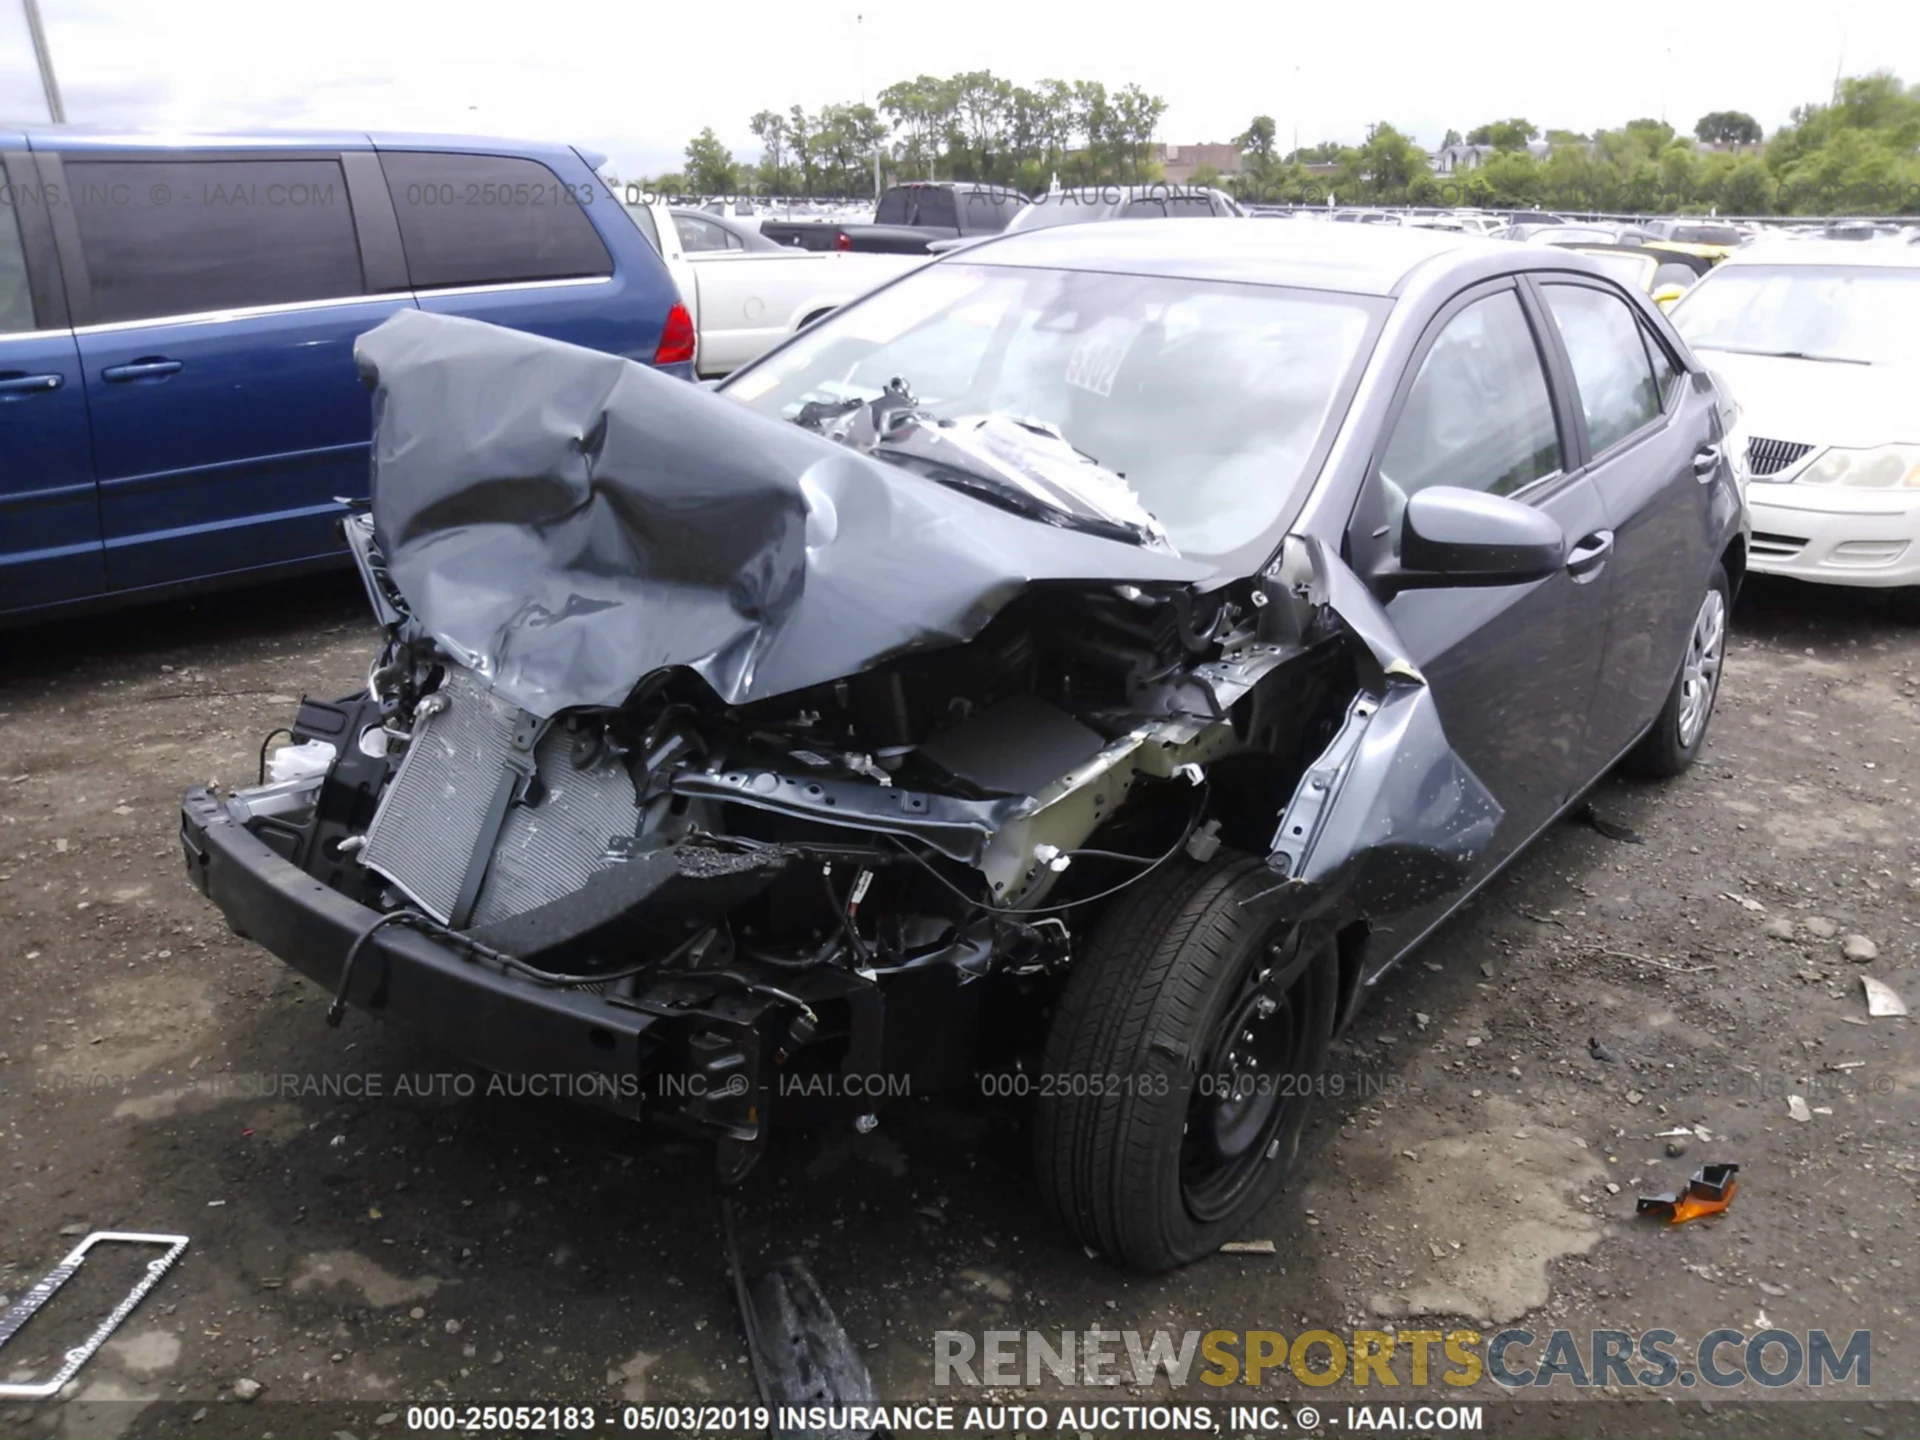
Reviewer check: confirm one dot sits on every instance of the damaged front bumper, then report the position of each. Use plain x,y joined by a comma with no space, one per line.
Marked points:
700,1058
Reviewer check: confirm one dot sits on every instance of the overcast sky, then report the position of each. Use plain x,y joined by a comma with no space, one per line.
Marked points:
636,80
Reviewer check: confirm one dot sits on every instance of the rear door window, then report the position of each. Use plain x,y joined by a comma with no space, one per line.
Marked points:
184,236
698,235
1618,392
643,217
490,220
16,301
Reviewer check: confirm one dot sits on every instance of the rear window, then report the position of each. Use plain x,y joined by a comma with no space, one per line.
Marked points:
184,236
16,304
917,205
490,220
1170,207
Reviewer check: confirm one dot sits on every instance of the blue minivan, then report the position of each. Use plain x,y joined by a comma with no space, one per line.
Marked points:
179,406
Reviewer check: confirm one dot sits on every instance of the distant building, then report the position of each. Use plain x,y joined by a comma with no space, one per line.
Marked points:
1453,159
1180,163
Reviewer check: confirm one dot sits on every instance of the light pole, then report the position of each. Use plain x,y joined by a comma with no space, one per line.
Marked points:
55,110
1295,156
860,27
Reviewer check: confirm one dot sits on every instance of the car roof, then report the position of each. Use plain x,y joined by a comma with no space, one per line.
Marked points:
75,138
1359,259
1889,252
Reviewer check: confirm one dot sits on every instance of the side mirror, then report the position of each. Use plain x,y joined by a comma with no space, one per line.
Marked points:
1452,537
1667,294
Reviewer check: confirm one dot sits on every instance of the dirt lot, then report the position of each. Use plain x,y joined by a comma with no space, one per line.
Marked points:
426,1247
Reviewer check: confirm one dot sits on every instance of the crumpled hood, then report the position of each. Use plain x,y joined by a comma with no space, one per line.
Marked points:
1819,402
564,522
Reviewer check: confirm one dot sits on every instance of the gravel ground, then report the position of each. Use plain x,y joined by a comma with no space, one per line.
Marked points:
1508,1091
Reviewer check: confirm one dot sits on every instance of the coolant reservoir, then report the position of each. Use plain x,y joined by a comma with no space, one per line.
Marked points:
297,762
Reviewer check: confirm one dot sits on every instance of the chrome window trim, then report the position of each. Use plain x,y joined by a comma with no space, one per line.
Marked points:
498,287
243,312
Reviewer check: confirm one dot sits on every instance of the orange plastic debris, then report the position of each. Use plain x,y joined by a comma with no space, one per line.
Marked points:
1709,1192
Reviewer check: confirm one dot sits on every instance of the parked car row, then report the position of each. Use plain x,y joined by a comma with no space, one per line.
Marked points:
745,292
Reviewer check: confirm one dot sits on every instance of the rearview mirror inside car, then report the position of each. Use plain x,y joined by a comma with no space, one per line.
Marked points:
1451,537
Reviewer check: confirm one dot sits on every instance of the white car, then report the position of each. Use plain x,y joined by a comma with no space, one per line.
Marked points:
747,294
1819,343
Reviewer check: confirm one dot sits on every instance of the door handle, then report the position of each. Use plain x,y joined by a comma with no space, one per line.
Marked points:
1706,462
1589,557
14,385
147,367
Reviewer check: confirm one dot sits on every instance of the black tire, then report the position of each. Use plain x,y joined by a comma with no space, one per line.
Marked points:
1669,747
1150,1145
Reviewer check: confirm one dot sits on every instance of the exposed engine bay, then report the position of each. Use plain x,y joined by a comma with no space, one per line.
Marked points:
821,767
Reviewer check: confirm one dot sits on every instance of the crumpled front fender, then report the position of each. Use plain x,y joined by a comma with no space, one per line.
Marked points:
1388,818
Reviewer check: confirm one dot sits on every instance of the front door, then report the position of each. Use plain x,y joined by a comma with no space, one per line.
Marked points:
49,519
1513,668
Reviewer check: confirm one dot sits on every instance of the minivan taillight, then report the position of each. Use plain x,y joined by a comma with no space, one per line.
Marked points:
676,338
843,241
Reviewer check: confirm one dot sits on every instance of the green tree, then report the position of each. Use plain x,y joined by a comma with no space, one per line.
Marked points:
770,128
1451,139
1747,189
1727,127
1260,164
1389,162
710,167
1511,134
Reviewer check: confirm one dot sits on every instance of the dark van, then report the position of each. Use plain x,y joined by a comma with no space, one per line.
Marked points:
179,406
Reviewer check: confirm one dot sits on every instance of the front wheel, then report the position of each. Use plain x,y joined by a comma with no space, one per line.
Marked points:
1681,731
1181,1064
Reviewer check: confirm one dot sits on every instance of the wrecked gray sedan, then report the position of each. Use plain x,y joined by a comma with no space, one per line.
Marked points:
1083,667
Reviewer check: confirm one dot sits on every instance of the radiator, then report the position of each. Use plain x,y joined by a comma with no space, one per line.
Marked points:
435,812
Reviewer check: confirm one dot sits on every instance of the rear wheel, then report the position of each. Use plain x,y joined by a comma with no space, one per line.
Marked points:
1681,731
1181,1063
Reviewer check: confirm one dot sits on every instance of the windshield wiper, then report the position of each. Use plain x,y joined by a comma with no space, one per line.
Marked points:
996,491
893,426
1788,354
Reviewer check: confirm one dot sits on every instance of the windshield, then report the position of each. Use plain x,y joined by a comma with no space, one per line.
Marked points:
1868,314
1208,398
1704,235
1067,207
1628,269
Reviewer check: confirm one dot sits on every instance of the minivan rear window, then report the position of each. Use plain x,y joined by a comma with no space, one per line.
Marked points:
491,220
16,302
184,236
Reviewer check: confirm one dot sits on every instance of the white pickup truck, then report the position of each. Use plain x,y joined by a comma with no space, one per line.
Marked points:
747,294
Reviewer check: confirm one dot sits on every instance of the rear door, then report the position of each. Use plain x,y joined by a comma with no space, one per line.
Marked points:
520,242
1513,668
1642,428
49,518
216,296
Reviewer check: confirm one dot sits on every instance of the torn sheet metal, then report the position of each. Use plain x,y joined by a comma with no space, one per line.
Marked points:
43,1290
565,522
1388,818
